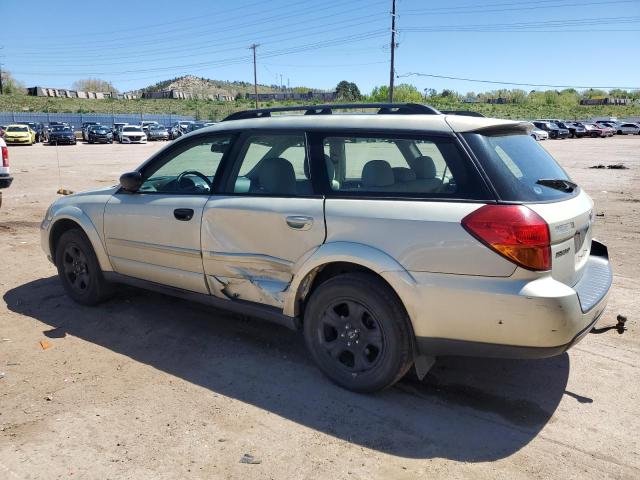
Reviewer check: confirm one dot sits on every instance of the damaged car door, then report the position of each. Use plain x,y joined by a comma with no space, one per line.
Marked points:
265,220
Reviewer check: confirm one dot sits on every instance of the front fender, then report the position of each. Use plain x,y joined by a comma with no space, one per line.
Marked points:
372,258
77,215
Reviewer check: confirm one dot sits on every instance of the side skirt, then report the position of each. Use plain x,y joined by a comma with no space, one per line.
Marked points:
264,312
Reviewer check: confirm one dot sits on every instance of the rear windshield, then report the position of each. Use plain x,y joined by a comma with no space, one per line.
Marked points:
515,163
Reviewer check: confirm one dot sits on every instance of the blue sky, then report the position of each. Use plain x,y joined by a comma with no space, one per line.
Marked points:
318,43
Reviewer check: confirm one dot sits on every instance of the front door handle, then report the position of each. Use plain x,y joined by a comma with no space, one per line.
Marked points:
183,214
299,222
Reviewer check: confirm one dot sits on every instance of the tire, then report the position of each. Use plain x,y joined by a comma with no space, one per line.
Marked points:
79,270
358,332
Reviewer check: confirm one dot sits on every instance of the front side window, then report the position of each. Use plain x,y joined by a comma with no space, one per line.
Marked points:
188,170
399,166
273,164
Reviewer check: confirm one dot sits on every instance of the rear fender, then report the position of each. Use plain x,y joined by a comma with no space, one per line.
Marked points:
376,260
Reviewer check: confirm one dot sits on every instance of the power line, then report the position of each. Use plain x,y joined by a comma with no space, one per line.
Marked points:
473,9
475,80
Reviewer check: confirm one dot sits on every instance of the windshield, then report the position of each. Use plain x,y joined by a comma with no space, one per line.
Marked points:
515,164
156,127
60,128
132,129
18,129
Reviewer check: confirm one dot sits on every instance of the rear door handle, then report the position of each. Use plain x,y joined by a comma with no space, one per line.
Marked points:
183,214
299,222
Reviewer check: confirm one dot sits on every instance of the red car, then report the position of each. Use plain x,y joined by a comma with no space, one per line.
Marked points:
609,132
593,130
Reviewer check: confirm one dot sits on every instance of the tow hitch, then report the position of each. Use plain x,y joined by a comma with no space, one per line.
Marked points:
620,326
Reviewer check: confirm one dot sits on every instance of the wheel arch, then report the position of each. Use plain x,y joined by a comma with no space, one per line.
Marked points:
341,257
72,217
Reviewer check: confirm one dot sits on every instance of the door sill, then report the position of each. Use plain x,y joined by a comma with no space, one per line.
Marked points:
243,307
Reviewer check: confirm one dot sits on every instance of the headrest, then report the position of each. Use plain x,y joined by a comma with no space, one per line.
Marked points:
424,167
403,174
327,161
277,176
377,173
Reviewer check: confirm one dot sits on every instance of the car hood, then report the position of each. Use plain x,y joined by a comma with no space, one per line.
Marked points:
62,134
132,134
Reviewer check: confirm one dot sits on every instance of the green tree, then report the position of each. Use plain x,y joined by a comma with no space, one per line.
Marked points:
403,93
93,85
348,91
10,85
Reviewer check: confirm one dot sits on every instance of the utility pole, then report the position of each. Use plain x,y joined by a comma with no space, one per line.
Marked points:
281,85
1,88
255,72
393,49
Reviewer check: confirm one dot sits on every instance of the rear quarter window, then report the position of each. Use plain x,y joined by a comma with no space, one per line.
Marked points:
515,163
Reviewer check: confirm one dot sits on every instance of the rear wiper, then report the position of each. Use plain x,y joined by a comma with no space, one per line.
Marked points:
559,184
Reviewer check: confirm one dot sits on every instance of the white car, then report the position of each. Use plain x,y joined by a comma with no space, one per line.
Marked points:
5,175
627,128
132,134
538,134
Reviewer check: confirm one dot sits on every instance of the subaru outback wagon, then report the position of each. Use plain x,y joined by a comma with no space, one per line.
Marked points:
387,238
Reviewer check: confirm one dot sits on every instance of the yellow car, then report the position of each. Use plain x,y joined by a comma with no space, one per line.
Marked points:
19,134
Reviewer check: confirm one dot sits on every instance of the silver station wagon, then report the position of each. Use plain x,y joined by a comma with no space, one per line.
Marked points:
387,238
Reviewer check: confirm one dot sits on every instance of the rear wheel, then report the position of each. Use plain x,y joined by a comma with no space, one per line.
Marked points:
79,270
358,332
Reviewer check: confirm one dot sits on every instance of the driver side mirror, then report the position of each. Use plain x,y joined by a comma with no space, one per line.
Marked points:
131,181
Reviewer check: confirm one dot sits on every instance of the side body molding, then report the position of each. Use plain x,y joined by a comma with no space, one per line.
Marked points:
372,258
77,215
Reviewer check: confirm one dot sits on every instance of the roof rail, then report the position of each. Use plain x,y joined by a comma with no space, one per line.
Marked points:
383,108
464,113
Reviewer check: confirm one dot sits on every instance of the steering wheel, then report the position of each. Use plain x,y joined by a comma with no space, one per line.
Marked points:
200,175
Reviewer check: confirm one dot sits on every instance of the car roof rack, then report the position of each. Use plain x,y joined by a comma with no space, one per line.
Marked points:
464,113
383,108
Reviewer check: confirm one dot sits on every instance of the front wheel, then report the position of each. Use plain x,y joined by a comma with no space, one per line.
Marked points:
79,270
358,332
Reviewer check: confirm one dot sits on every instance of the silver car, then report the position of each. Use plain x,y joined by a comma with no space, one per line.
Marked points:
388,239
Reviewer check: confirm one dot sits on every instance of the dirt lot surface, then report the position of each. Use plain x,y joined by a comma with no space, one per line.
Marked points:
147,386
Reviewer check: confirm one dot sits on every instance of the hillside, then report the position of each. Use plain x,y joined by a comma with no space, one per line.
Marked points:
207,109
205,86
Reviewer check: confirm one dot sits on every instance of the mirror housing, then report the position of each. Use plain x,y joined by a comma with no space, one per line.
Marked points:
131,181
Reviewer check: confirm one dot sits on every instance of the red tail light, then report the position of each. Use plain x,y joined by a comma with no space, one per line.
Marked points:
516,232
5,157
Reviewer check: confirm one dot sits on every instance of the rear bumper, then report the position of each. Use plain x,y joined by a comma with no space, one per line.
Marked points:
513,318
5,181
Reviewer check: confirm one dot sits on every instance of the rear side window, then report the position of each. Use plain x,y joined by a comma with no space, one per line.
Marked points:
515,164
396,166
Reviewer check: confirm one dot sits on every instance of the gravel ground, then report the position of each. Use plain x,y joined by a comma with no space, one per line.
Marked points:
147,386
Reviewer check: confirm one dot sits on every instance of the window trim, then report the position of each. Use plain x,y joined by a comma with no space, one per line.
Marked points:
175,149
234,163
317,149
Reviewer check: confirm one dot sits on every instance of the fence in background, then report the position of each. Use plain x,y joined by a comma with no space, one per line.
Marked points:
77,119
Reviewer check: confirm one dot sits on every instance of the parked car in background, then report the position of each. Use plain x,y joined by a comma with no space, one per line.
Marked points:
360,258
116,127
626,128
61,135
39,129
85,129
132,134
594,130
99,134
19,134
538,134
197,126
179,128
552,129
5,173
609,131
157,132
575,130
